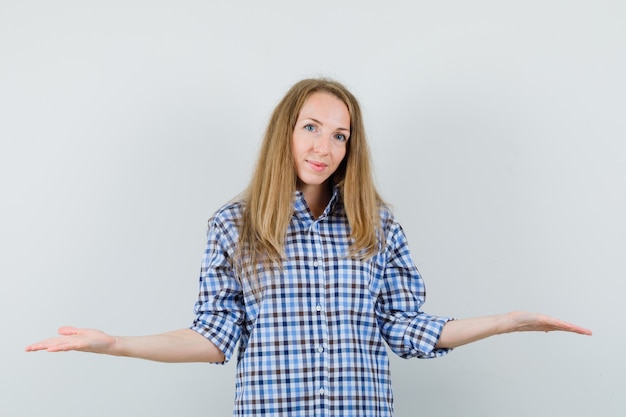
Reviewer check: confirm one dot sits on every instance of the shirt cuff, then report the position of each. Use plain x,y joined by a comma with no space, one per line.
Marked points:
423,335
222,334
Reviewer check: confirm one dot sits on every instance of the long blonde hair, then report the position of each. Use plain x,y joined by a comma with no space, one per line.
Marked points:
268,200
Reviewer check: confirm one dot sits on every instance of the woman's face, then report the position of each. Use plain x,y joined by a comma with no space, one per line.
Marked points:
320,137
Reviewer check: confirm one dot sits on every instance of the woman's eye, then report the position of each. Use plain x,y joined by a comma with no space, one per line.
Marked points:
310,128
340,137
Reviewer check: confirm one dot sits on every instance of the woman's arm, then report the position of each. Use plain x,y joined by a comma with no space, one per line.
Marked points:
184,345
461,332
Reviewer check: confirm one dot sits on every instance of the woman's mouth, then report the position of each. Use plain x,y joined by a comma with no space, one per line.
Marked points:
317,166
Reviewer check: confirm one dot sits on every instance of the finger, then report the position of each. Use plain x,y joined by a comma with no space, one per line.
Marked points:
61,347
570,327
67,330
34,347
578,329
43,345
63,344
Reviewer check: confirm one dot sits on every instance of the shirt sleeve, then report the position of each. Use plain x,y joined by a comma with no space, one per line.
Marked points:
219,310
408,331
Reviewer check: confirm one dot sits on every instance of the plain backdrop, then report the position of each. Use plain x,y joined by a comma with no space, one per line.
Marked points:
497,130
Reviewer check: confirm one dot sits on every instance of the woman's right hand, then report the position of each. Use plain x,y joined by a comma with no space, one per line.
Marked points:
72,338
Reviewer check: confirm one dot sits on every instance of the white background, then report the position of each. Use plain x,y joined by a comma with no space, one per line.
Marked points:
498,134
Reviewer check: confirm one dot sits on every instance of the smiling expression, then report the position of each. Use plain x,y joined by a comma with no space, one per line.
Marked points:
319,140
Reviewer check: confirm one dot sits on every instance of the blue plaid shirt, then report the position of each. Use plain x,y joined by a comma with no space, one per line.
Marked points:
314,344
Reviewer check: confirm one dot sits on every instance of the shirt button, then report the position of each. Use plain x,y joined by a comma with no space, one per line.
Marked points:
315,263
320,349
318,308
321,391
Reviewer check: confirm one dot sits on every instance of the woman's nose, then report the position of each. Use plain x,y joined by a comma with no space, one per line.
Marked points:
322,144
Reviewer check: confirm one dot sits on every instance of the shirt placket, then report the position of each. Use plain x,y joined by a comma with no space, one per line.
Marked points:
319,311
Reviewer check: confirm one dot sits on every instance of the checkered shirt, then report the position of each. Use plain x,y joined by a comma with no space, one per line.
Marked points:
313,345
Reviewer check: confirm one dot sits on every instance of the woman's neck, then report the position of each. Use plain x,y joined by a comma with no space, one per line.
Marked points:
316,197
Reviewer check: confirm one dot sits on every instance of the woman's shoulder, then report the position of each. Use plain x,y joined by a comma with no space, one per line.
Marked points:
386,214
391,228
228,215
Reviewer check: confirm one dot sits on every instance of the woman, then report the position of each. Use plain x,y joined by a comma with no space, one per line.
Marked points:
309,271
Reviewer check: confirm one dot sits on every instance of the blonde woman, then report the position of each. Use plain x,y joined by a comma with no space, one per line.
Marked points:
309,271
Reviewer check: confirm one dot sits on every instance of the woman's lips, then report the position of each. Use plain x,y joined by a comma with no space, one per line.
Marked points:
317,166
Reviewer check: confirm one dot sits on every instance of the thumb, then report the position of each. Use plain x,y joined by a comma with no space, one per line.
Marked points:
67,330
